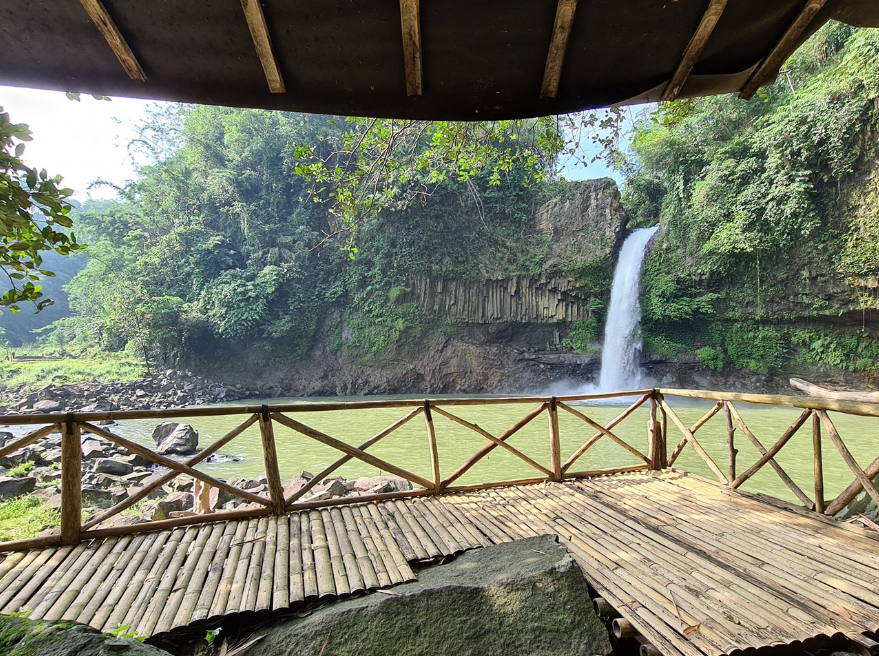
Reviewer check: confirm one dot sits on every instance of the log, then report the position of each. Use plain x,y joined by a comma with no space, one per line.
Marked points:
767,456
555,56
695,444
497,441
555,448
410,22
606,433
350,450
270,455
71,482
852,490
463,469
341,461
733,452
431,443
865,481
818,466
816,390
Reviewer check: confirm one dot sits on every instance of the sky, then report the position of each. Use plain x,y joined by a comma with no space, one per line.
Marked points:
81,141
85,141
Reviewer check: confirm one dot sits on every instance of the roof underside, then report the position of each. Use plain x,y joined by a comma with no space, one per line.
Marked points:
434,59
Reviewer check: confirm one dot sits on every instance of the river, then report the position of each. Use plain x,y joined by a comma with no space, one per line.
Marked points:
407,447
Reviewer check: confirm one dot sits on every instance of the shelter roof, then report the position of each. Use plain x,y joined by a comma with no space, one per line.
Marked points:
434,59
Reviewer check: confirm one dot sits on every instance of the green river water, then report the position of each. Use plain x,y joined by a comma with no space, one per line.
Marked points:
407,447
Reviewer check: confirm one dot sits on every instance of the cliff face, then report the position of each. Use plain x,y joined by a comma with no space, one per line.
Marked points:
491,334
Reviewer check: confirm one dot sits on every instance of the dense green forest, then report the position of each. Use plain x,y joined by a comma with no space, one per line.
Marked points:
767,256
770,216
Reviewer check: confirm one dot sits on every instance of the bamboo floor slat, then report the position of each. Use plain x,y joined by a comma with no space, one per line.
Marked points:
669,551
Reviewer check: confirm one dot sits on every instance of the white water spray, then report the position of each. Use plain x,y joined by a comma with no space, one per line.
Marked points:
620,357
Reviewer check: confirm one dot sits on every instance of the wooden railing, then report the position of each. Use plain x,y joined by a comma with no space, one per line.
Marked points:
555,467
814,408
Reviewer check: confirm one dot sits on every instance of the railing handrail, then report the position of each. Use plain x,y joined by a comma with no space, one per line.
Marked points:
308,406
860,408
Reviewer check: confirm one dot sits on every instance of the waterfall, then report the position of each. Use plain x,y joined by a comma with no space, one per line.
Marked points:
620,357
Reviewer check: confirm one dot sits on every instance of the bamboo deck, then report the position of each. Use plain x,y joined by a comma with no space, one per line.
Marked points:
698,571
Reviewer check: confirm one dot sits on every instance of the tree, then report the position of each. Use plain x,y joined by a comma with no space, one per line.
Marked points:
34,211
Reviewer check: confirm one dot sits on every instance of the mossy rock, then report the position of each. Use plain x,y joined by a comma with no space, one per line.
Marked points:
23,637
522,598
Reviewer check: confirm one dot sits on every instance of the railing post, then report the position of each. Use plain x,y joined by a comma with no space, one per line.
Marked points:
431,441
270,455
555,447
819,463
659,455
71,481
732,451
654,436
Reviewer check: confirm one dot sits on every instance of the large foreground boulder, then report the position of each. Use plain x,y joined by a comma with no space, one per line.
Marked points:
23,637
524,598
171,437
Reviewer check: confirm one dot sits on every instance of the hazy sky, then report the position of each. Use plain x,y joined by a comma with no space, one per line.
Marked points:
81,141
86,140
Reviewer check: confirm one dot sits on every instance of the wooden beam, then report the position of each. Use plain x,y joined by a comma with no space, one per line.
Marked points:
694,49
259,30
410,20
783,49
98,13
555,58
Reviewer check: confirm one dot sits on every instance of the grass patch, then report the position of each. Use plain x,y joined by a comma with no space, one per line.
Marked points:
22,469
25,517
68,369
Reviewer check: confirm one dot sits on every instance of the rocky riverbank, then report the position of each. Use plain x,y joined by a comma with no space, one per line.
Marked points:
167,389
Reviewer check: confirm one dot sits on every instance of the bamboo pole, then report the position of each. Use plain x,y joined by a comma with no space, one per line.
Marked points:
488,448
818,466
71,482
495,440
431,442
270,455
770,454
694,443
778,470
730,441
606,432
555,447
622,628
341,461
323,438
618,419
144,492
865,481
165,461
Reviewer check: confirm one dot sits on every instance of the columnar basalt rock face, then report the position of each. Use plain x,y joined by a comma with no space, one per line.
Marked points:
577,230
521,299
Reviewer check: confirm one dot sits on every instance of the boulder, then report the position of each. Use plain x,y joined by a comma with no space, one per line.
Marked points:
47,406
23,637
13,486
111,466
171,437
296,483
524,597
382,484
92,449
177,502
98,406
101,498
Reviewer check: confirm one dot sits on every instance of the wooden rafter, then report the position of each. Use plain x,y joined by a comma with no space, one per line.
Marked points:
694,49
259,30
783,49
410,19
555,58
98,13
